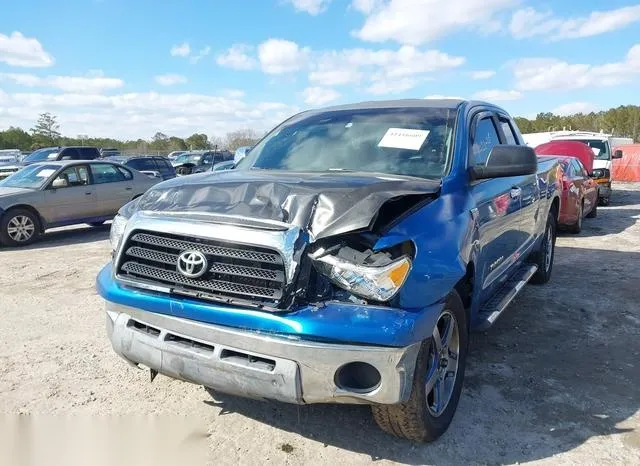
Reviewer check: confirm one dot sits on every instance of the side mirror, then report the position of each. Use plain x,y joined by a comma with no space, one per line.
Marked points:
505,161
59,183
617,154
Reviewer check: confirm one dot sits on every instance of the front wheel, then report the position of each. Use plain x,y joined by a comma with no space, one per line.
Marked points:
604,201
437,381
19,227
543,257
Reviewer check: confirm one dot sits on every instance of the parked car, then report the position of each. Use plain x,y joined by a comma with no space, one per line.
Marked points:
345,262
9,162
62,153
579,197
221,166
199,161
109,152
150,165
174,155
52,194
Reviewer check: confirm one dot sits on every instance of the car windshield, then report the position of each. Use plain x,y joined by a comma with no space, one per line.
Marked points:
601,146
32,177
189,158
41,155
397,141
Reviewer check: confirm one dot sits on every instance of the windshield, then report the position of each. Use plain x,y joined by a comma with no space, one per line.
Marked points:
41,155
400,141
187,158
32,177
600,145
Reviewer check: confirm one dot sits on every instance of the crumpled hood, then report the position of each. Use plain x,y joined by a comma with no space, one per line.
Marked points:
324,204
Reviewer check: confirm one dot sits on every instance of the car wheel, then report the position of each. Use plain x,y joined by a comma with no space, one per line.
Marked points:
543,258
577,227
19,227
604,201
594,211
437,381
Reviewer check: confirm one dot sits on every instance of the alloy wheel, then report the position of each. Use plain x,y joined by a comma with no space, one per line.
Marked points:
21,228
443,364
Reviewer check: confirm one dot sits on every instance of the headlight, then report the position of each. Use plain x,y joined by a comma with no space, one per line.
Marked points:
601,173
117,230
378,283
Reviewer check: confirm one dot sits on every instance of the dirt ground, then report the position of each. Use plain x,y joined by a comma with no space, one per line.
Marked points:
556,381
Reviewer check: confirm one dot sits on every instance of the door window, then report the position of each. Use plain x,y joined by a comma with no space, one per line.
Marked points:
579,168
485,138
510,137
72,176
145,164
126,173
70,153
89,153
103,173
207,160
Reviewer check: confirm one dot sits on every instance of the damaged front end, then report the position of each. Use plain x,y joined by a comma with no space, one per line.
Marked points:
272,242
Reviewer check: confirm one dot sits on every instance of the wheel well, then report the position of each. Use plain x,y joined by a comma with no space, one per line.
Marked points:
464,287
31,209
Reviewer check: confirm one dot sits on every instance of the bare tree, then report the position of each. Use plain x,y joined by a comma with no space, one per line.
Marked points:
240,138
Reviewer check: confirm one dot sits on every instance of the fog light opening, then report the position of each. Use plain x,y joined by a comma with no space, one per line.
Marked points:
358,377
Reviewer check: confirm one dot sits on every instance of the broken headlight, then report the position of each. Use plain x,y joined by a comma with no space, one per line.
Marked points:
117,230
377,277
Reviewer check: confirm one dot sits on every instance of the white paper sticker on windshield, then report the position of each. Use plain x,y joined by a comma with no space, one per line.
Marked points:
45,173
399,138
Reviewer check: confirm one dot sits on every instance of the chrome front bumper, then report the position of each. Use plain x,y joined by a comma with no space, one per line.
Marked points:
255,365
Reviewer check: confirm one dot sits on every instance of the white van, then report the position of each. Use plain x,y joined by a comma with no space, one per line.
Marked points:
602,145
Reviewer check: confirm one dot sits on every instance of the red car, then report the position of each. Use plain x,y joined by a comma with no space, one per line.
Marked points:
579,194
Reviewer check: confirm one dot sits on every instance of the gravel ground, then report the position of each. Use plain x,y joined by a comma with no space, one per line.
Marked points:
556,381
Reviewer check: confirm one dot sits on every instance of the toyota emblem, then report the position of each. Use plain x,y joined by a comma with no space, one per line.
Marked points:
192,264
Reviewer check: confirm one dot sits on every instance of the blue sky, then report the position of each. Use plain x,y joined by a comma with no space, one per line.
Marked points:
127,69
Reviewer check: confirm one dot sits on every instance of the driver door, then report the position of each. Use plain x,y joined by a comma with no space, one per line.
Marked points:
71,197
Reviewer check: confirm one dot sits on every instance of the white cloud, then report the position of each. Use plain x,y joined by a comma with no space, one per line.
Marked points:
416,22
18,50
170,79
193,59
391,86
237,58
551,73
93,83
440,97
278,56
365,6
335,76
319,95
313,7
529,22
497,95
233,93
181,50
135,115
484,74
574,107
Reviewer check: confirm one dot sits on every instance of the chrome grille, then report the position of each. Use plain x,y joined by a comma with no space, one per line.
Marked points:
235,271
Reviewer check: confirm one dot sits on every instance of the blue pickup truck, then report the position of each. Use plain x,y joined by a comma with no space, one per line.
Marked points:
344,260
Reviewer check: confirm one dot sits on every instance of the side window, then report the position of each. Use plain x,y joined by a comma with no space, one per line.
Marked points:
485,138
207,159
578,167
568,169
142,164
103,173
83,174
70,153
218,158
126,173
510,137
72,176
88,153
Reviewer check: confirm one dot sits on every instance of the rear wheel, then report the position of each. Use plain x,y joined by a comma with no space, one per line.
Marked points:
577,227
437,381
19,227
543,258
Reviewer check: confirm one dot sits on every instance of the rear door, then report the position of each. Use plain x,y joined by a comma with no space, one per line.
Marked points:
528,188
497,209
112,188
75,201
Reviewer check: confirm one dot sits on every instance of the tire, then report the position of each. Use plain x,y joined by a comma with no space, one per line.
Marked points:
19,227
540,257
594,211
96,224
604,201
418,418
577,227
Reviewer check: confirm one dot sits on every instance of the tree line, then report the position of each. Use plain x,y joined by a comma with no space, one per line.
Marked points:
46,133
620,121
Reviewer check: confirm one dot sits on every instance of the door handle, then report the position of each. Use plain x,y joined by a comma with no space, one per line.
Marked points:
515,192
129,188
88,194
